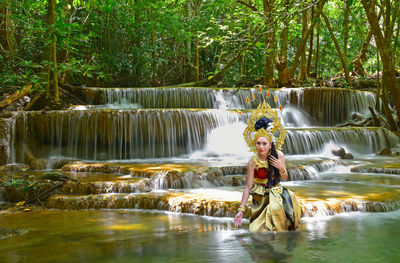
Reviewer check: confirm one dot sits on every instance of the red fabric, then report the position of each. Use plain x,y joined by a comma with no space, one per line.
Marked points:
261,173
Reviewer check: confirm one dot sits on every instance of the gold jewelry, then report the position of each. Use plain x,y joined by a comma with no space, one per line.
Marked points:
284,172
241,209
259,163
251,134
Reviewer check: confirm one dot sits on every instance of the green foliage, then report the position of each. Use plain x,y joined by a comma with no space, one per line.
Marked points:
27,187
150,42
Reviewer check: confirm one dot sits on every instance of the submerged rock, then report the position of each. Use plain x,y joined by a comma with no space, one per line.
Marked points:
348,156
9,232
385,151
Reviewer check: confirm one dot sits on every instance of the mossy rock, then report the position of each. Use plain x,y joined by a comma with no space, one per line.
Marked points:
385,151
9,232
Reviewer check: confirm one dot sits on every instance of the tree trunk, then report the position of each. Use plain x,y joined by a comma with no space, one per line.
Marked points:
317,55
342,59
269,45
137,42
153,59
197,60
303,68
346,29
304,40
281,63
396,40
389,80
358,62
6,28
52,86
310,49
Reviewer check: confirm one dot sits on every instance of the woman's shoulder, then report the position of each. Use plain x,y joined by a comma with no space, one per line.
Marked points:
280,153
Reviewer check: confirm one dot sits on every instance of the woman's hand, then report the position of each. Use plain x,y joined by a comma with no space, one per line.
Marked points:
277,163
238,219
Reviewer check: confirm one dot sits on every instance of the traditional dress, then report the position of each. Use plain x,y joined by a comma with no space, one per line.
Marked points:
275,208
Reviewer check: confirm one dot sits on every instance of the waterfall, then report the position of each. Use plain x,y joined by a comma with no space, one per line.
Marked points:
334,105
360,140
118,134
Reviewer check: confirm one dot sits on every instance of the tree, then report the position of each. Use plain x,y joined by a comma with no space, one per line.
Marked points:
6,28
52,90
304,38
383,37
340,54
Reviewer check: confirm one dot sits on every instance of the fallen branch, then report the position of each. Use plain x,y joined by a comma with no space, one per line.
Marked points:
45,194
15,97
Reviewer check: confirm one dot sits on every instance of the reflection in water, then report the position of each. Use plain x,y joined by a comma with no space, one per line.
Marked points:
121,236
270,247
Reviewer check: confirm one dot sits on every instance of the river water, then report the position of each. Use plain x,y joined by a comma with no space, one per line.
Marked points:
146,148
151,236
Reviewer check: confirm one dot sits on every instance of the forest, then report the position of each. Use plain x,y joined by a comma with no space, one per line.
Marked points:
53,44
128,130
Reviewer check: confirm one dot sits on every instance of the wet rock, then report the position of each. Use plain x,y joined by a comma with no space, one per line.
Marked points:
385,151
59,163
348,156
17,167
56,177
235,181
340,152
38,164
93,168
144,186
356,117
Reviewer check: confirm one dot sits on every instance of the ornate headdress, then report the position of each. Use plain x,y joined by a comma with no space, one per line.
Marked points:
251,134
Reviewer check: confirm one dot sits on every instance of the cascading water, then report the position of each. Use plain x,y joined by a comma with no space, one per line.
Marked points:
117,134
211,137
182,150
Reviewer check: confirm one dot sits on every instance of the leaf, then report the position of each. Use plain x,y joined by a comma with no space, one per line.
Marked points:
20,203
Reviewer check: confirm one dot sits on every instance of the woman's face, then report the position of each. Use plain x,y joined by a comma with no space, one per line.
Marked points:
263,145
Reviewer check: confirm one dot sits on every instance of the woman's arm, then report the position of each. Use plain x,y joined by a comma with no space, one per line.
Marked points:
280,165
246,192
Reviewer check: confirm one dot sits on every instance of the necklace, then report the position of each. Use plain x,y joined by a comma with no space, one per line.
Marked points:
259,163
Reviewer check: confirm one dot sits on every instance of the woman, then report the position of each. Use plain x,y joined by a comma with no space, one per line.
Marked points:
274,208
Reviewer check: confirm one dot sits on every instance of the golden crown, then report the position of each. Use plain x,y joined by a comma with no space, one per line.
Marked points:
251,134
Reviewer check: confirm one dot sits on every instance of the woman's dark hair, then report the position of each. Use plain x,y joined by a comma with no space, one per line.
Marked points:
272,171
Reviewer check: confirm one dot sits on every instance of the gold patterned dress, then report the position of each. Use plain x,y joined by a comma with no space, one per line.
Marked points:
273,209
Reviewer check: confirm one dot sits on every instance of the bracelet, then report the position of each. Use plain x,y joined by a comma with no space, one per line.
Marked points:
284,172
241,209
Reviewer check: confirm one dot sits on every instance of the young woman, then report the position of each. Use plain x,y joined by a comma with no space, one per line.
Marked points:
274,208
